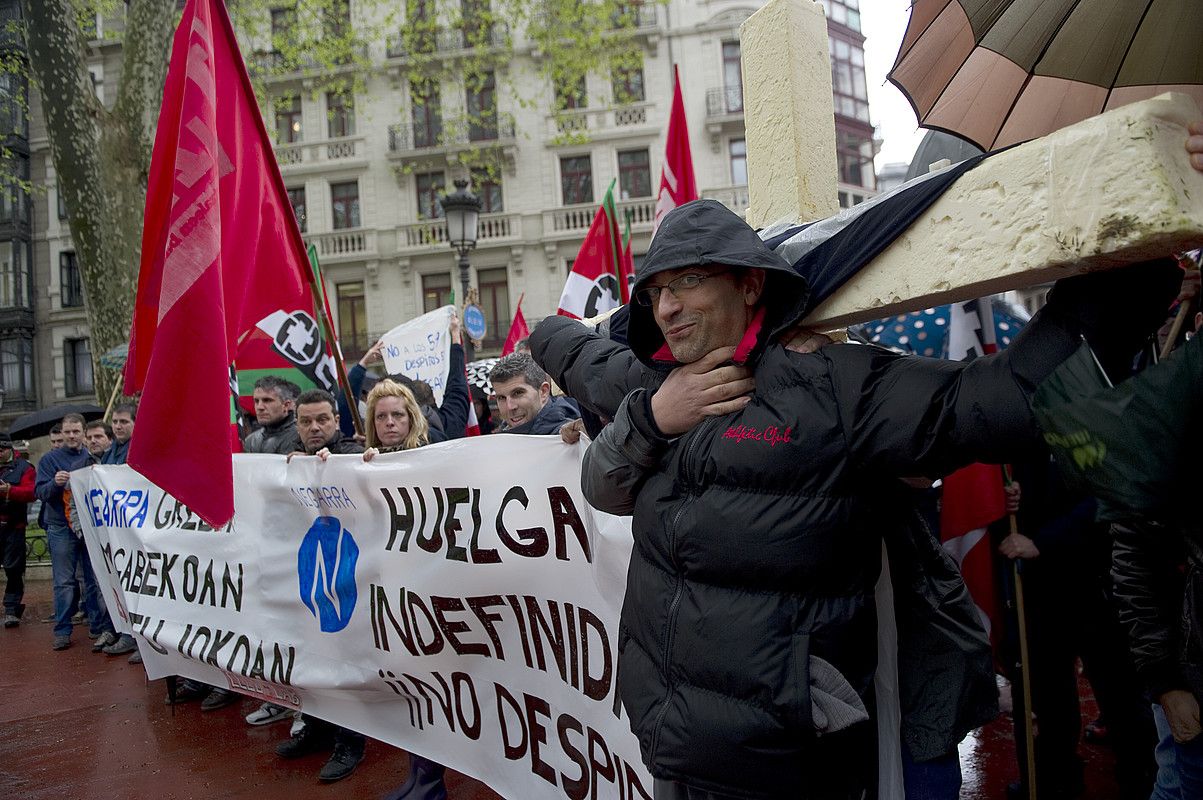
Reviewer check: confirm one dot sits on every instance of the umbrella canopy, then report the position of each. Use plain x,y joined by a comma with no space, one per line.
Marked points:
925,333
997,72
38,423
115,357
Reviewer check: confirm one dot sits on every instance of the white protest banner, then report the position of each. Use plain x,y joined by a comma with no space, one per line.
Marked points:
421,349
460,601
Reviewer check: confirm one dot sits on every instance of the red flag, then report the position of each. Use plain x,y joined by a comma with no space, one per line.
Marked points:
677,183
596,284
518,330
220,247
972,499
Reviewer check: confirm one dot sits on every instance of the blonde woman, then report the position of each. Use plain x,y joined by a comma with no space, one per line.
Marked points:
395,420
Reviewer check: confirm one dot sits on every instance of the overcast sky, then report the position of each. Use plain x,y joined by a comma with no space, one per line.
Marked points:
883,23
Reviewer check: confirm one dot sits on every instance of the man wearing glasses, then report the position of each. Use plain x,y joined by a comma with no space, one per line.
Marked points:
761,480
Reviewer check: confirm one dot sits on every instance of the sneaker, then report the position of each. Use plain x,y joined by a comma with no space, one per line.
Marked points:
268,713
79,618
187,690
136,658
11,620
103,640
309,740
218,698
343,761
298,723
50,619
124,644
61,642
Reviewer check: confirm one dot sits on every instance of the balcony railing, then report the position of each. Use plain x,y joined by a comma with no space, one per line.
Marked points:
596,119
443,40
578,218
493,228
456,132
724,101
733,197
330,150
349,243
273,61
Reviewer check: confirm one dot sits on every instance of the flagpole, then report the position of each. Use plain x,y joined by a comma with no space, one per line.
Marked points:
1025,667
319,303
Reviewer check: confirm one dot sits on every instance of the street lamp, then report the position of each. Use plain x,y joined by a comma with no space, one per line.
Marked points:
462,210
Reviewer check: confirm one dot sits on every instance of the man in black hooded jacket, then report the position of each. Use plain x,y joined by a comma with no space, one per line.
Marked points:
759,481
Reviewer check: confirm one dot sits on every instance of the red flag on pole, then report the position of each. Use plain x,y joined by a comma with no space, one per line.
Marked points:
973,498
220,246
677,182
596,282
518,330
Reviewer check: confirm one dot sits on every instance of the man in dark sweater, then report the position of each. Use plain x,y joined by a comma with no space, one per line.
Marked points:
67,551
317,422
16,493
524,397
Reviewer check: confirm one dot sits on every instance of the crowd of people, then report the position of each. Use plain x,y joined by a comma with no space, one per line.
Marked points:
766,469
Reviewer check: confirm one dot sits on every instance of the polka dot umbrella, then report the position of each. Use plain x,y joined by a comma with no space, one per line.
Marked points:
925,333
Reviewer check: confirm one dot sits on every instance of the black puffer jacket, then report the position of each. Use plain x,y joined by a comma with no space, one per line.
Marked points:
757,535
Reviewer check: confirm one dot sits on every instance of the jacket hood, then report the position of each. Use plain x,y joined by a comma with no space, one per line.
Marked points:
702,233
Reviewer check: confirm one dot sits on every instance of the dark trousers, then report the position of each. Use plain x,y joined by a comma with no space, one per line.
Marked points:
12,556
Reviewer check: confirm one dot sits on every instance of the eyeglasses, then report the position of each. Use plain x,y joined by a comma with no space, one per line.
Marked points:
650,295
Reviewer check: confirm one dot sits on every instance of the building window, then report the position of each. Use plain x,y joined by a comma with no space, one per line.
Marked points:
13,121
576,180
297,198
430,187
284,22
288,120
352,319
62,201
571,94
488,189
482,109
340,115
844,12
427,113
336,21
344,202
854,151
627,83
436,291
71,286
634,174
495,302
15,291
848,84
77,366
733,86
15,205
16,368
738,151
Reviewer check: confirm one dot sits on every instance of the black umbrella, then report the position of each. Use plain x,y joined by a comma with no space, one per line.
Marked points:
38,423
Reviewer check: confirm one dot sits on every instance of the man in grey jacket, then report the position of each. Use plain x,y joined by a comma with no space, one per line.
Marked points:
275,403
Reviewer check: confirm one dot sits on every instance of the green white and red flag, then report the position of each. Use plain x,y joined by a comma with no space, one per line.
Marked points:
223,276
601,273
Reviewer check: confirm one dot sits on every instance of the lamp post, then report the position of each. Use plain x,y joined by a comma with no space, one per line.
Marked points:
462,210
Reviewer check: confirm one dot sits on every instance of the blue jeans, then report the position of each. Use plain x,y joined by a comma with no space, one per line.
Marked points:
67,555
1179,766
937,779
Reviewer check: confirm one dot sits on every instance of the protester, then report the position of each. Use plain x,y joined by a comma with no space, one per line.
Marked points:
275,402
56,437
98,438
122,418
396,423
815,442
16,493
67,551
317,422
524,398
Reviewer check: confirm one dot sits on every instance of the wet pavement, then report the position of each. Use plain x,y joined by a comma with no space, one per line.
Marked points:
74,724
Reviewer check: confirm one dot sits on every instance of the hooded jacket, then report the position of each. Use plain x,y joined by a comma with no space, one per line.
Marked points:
757,535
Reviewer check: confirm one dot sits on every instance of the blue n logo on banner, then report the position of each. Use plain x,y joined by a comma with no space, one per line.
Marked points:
326,569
